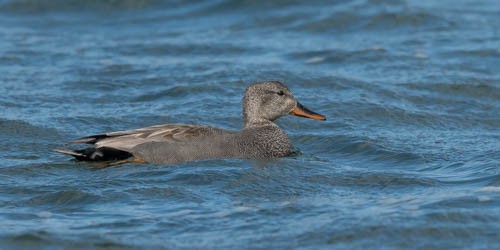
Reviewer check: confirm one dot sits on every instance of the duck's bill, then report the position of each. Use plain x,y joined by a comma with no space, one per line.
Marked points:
305,112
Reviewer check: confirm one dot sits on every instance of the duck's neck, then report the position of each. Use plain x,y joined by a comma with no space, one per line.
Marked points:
252,113
249,123
252,118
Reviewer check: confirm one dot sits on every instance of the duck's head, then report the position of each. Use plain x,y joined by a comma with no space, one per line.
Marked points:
267,101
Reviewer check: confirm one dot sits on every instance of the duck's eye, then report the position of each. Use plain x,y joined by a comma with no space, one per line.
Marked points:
280,92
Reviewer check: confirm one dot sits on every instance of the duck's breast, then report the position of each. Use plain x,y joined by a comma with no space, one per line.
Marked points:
265,142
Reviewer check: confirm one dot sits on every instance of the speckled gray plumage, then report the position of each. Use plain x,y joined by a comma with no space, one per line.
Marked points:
260,137
254,142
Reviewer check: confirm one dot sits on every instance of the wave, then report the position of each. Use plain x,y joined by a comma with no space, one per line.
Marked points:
352,20
18,128
474,89
42,6
355,148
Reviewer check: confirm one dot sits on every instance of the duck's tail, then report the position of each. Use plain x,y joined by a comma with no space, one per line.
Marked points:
73,153
103,154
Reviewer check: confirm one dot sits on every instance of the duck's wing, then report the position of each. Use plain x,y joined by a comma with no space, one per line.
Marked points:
127,140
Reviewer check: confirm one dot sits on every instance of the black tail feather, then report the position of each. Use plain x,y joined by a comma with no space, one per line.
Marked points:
97,154
90,139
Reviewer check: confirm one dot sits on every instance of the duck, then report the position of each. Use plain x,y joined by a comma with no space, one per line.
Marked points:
260,137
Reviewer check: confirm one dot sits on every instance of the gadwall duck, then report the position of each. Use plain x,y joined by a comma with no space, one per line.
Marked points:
260,137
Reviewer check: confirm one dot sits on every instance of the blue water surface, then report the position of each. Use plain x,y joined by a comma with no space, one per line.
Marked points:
409,157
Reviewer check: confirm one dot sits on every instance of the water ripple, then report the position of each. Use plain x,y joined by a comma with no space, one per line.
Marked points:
408,158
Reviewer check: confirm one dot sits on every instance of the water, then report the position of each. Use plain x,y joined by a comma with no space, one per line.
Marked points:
409,157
